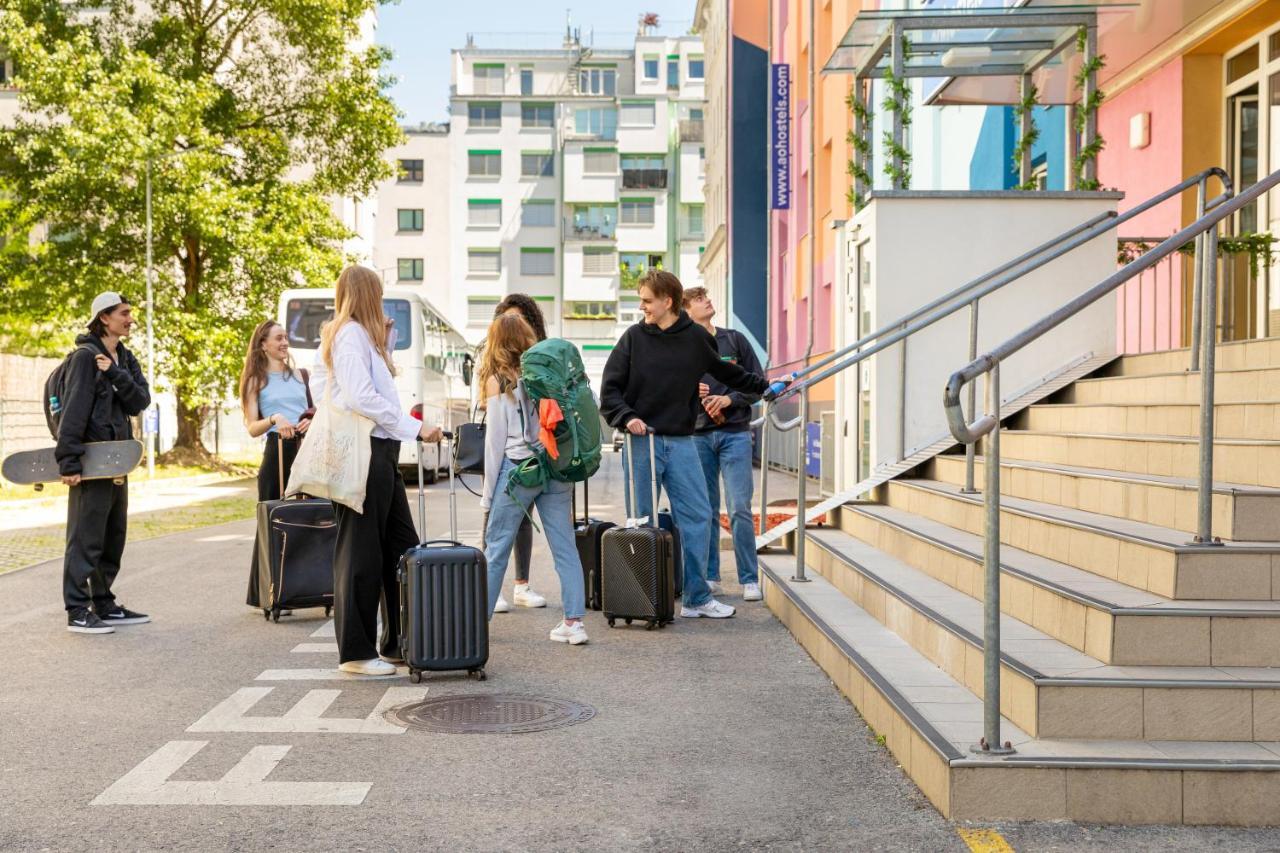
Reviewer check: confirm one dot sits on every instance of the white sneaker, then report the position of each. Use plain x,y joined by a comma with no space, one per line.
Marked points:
526,597
715,587
368,667
502,606
712,610
574,635
751,592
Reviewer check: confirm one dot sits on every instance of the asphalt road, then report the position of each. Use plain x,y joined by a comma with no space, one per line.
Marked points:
707,735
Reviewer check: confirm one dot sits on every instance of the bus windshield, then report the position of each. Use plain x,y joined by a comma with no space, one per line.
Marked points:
304,317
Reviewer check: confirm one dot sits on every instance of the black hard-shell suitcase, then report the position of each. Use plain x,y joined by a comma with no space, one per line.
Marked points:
296,537
444,599
588,534
638,565
667,522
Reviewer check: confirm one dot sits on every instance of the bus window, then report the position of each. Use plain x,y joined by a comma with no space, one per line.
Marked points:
304,317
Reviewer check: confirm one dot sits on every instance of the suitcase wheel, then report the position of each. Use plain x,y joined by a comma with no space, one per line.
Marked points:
415,676
477,674
275,616
627,621
649,626
611,622
266,614
328,609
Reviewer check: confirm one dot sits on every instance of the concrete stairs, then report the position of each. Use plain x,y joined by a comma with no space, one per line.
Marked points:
1140,672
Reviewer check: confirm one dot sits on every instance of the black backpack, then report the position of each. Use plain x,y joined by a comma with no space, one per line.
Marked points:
55,392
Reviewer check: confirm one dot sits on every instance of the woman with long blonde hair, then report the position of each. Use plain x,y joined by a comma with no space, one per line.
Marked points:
510,438
354,364
275,402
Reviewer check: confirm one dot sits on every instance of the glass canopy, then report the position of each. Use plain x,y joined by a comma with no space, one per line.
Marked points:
978,55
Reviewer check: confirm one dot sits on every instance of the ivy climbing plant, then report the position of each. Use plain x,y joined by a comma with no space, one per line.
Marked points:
1086,109
897,99
859,145
1027,140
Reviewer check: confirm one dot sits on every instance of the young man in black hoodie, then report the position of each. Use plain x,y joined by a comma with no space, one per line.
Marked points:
104,387
723,436
651,383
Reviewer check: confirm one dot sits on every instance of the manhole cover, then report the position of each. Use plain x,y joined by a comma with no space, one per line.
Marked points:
494,714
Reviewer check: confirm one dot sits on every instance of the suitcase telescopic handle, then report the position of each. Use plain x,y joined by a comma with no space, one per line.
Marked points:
653,478
422,494
280,460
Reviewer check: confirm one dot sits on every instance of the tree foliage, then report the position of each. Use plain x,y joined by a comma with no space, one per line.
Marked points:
251,114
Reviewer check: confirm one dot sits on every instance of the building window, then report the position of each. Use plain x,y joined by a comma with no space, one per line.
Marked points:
489,79
480,309
484,261
484,164
673,72
638,114
598,81
537,261
537,164
538,213
638,262
593,222
599,260
484,212
629,311
637,211
597,121
537,115
526,81
484,114
591,310
409,269
409,171
408,220
693,222
644,172
600,161
697,68
651,67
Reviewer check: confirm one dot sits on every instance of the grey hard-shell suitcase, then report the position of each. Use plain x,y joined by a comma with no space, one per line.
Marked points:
444,599
638,564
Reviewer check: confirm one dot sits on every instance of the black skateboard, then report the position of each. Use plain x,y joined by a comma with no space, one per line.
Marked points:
102,460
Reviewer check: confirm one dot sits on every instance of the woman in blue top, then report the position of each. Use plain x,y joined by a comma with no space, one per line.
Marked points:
275,400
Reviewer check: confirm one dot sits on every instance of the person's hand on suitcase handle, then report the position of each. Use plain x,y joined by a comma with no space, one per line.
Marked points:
432,435
635,426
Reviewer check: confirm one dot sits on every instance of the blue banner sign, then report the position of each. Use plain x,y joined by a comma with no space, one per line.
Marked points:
780,136
813,450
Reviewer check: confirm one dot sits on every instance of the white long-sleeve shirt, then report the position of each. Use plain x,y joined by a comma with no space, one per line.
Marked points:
363,383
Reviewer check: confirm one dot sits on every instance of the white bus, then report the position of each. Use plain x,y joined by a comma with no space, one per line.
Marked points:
433,361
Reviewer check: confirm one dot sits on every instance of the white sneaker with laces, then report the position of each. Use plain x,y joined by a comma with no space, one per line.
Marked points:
715,587
526,597
502,606
712,609
751,592
574,635
368,667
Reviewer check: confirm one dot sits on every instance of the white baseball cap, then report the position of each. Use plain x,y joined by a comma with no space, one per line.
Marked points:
104,301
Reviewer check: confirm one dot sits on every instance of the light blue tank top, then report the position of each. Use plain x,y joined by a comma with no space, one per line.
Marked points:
283,396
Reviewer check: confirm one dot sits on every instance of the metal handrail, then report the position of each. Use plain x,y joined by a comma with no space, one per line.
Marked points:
1204,230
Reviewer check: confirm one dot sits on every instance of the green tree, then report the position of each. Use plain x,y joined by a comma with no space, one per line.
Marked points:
251,114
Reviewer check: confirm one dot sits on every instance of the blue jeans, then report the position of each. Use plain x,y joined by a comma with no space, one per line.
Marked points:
728,454
680,474
554,503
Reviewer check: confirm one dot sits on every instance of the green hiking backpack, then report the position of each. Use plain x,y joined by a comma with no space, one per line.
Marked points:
552,371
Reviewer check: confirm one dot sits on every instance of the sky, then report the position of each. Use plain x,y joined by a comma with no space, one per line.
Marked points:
421,33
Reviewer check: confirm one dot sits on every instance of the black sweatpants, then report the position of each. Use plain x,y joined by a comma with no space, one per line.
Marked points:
365,559
97,521
269,490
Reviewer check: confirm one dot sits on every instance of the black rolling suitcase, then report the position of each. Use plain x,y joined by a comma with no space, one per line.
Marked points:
295,541
667,522
444,599
588,533
638,564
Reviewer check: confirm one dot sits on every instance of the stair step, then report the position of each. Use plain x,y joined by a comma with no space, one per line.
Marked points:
1145,556
1256,419
927,719
1049,689
1252,462
1250,513
1107,620
1236,355
1230,386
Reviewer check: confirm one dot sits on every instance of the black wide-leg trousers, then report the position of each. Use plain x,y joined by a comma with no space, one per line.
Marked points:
97,522
366,557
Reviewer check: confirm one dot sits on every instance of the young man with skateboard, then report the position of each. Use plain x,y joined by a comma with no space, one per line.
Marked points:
104,387
723,436
651,383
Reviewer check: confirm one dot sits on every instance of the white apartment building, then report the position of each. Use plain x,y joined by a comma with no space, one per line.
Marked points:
411,229
572,171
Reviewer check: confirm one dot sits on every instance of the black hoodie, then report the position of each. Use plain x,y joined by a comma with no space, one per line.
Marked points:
653,374
97,405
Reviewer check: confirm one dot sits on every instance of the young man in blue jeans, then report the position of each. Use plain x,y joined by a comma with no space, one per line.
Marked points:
723,437
651,384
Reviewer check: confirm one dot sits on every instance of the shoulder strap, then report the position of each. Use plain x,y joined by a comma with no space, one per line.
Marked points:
306,384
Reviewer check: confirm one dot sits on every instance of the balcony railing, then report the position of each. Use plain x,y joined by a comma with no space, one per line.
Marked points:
691,130
588,231
644,179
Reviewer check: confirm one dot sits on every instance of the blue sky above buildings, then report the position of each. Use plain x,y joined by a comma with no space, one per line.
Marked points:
421,33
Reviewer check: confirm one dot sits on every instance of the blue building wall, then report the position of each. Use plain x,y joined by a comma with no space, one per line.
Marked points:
749,202
992,166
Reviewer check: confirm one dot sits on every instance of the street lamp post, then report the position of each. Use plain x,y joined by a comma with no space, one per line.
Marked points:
152,424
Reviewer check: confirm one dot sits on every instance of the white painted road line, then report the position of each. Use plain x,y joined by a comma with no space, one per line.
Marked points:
330,674
243,785
325,630
306,716
315,648
226,537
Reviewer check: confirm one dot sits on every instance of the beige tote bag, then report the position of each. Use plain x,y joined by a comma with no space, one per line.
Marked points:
333,461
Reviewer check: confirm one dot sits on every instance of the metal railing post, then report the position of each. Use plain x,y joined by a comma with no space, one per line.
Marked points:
1198,274
801,486
971,449
1209,340
764,472
991,742
902,395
